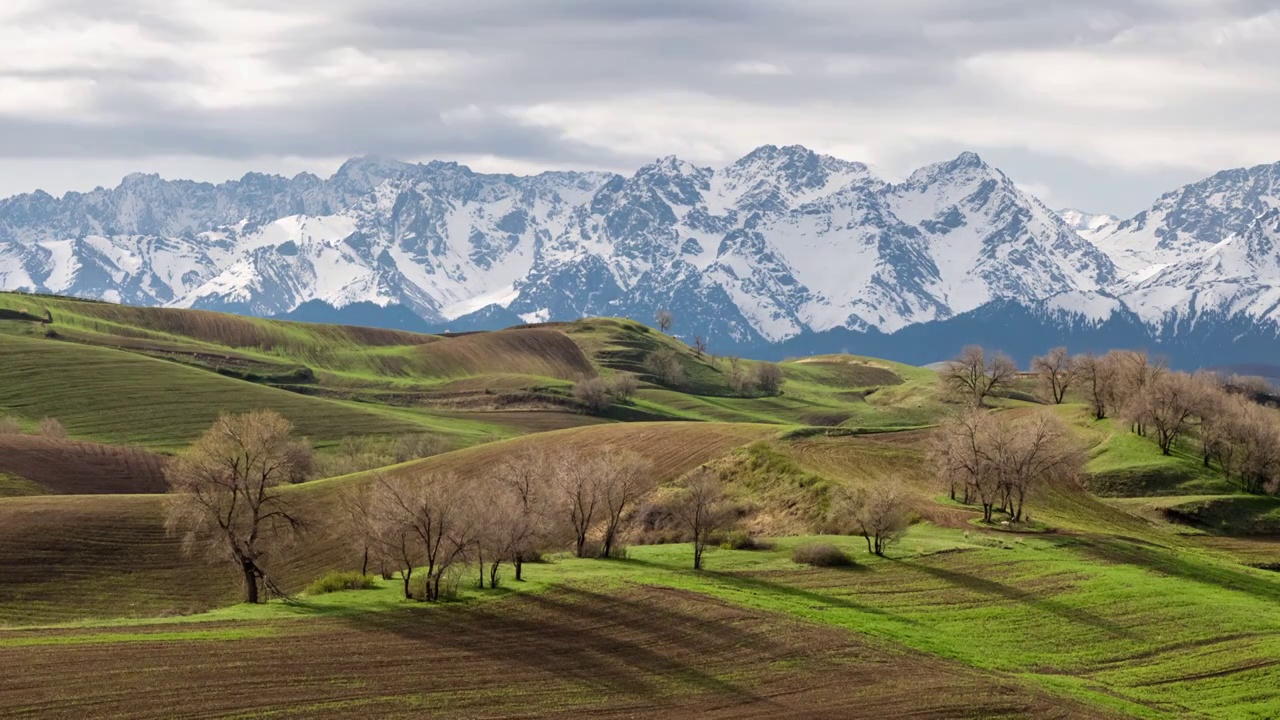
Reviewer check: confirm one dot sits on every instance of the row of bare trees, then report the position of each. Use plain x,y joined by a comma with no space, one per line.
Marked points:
999,459
1170,407
227,500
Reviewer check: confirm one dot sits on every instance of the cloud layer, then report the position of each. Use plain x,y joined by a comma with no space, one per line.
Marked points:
1103,103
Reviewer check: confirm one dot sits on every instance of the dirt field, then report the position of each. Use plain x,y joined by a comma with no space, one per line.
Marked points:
573,652
68,558
71,467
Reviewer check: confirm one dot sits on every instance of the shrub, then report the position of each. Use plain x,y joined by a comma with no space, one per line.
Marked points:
10,426
768,377
335,581
821,555
665,366
743,540
624,387
448,585
51,428
593,393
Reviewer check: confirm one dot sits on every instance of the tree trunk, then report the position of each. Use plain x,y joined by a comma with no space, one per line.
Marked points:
606,551
519,567
364,564
953,492
582,541
250,581
406,575
867,537
493,573
697,555
480,562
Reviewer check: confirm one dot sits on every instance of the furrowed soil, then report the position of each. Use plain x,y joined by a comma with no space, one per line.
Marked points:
73,467
636,653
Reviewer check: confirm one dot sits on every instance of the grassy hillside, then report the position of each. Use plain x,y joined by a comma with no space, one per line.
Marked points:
1127,594
119,397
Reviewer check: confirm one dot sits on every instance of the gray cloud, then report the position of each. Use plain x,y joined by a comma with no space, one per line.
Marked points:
1134,91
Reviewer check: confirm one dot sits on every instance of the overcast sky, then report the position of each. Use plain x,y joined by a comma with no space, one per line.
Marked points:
1099,104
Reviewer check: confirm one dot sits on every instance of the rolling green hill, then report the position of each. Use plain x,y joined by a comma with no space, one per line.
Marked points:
1139,591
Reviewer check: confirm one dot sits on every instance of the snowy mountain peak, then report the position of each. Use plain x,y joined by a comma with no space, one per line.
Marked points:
777,246
1088,225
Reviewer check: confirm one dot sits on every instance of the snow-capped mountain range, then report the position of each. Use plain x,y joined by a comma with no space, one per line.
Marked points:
783,251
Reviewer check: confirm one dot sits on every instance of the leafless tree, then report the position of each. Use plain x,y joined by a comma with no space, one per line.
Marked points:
664,318
878,514
664,364
1033,452
1056,371
739,380
1096,377
357,522
432,520
1248,445
225,495
525,485
768,378
624,387
10,426
1134,372
623,477
699,346
593,393
958,450
1169,404
976,376
1000,458
702,509
578,486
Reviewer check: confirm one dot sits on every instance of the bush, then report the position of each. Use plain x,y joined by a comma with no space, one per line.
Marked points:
448,585
743,540
337,581
821,555
593,393
10,426
768,378
624,387
51,428
665,366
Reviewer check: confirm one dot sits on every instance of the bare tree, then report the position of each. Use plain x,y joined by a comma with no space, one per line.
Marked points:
224,491
664,318
1168,404
525,486
430,520
1000,458
1033,452
976,376
623,476
624,387
702,509
958,450
1134,372
699,346
593,393
1249,445
664,364
1056,371
358,524
578,486
1096,377
878,514
768,378
738,378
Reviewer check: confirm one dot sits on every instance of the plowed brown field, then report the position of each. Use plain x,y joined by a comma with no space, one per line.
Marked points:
641,653
71,467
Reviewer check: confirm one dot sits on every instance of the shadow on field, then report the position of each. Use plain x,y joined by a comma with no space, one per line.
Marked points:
608,643
756,583
1166,562
991,587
